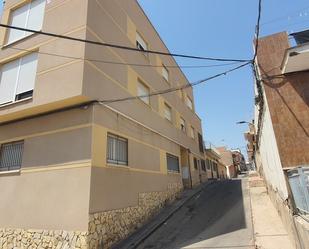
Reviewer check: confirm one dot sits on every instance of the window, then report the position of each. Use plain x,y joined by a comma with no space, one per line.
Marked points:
117,150
195,163
167,112
165,73
200,142
143,90
140,43
192,132
28,16
172,163
203,165
17,79
215,167
189,103
208,164
182,124
11,156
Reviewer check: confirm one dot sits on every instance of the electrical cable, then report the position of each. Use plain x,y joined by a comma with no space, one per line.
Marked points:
123,63
120,46
174,88
257,30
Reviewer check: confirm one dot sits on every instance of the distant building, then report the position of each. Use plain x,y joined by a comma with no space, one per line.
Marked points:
227,160
251,145
239,160
281,122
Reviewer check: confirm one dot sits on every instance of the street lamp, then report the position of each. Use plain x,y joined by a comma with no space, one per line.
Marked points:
244,122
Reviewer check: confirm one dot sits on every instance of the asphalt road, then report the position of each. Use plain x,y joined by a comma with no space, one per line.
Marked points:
218,218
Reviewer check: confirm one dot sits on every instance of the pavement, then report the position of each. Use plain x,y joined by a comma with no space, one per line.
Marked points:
229,214
268,228
218,216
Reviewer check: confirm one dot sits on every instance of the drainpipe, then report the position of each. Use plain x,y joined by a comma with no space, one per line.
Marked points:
189,165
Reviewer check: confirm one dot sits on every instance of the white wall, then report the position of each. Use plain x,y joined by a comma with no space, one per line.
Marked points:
270,156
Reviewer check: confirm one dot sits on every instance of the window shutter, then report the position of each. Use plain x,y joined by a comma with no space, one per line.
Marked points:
141,41
9,73
143,90
165,73
168,112
36,15
200,142
18,19
27,74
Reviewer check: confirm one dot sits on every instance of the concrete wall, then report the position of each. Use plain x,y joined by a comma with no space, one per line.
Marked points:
116,187
297,227
52,187
269,156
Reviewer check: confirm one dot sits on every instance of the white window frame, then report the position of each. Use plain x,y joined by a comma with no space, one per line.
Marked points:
143,89
165,73
29,8
18,81
141,44
192,132
189,103
168,112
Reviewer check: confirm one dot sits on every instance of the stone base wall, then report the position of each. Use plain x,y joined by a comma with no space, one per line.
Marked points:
109,227
104,229
35,239
297,227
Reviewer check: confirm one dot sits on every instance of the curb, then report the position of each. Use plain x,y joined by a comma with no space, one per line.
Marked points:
156,221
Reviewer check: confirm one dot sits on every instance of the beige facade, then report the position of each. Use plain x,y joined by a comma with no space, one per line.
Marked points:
68,193
212,162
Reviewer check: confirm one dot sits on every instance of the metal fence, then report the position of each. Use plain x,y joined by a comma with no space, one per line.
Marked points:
299,183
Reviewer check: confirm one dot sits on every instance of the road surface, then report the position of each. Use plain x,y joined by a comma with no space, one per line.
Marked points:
218,218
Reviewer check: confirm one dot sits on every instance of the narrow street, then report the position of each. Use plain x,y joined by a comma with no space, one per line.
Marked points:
219,217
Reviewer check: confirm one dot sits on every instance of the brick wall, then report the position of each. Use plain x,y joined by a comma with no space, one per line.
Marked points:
288,100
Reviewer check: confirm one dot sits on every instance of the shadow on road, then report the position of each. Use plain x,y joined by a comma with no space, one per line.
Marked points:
215,211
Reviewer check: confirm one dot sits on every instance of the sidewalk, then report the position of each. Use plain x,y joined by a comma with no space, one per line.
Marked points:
269,231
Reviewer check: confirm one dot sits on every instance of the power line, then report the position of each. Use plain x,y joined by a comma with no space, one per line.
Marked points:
120,46
257,30
123,63
174,88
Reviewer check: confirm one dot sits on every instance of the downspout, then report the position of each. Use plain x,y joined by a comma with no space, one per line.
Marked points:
189,165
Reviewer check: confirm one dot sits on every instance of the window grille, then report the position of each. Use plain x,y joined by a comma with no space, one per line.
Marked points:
117,150
172,163
11,156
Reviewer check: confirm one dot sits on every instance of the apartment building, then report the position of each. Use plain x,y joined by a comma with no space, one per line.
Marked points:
78,169
282,126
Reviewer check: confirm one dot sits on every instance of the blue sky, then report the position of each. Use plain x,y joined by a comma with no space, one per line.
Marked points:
222,28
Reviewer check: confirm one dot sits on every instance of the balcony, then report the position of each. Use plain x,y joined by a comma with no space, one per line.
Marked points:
296,58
